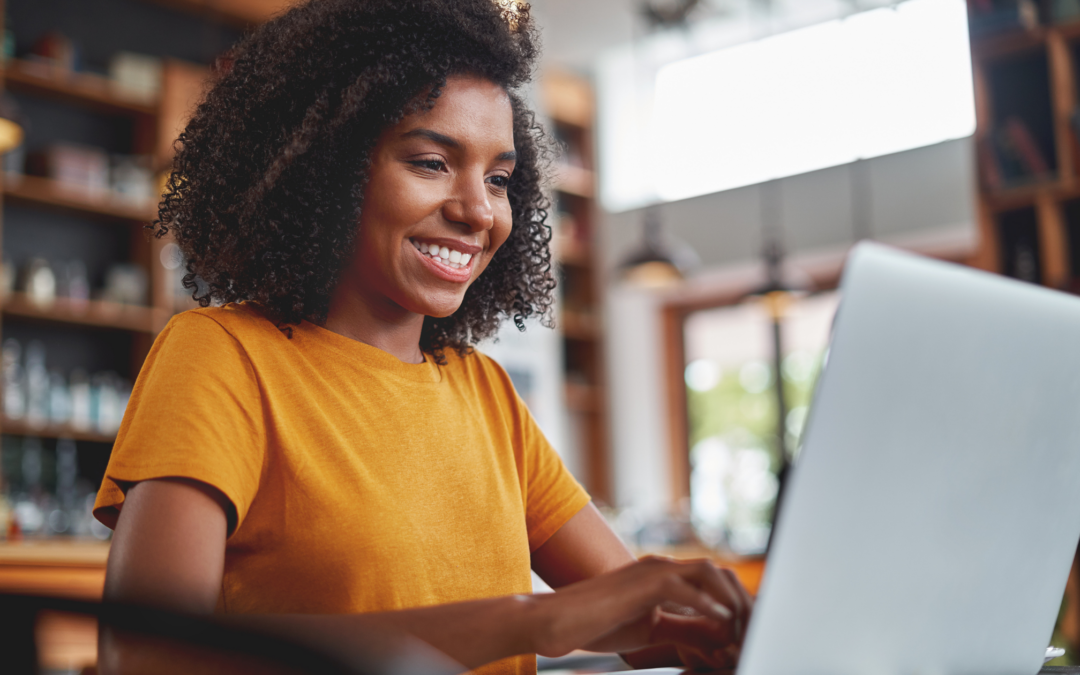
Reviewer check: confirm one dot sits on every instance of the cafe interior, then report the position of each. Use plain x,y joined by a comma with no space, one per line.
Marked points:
718,160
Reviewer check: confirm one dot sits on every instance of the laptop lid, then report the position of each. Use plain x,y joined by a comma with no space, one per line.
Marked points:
934,511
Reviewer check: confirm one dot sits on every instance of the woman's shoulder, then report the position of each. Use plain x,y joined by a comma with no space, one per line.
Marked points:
242,321
479,368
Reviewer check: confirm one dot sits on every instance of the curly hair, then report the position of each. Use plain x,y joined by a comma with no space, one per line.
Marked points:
268,178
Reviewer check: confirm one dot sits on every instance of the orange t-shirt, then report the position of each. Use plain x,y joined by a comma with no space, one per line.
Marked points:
360,483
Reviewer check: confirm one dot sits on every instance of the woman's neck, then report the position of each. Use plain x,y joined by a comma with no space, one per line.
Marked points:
392,329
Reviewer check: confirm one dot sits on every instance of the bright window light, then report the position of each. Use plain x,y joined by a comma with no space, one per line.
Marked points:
874,83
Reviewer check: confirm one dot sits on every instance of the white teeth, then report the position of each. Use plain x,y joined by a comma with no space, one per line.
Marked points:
447,256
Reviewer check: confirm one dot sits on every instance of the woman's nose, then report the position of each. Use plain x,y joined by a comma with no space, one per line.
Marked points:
470,204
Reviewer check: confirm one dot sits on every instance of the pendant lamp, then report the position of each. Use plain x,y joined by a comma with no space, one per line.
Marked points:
658,262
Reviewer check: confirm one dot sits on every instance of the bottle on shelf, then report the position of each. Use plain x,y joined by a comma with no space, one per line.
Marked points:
44,400
14,382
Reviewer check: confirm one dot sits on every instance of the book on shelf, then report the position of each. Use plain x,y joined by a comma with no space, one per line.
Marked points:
1013,156
1018,233
1023,144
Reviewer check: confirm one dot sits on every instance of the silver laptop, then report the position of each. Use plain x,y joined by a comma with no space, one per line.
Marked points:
934,511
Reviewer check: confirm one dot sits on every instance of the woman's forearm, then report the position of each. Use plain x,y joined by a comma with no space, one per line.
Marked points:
471,633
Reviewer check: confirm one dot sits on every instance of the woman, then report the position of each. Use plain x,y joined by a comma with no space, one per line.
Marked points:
361,192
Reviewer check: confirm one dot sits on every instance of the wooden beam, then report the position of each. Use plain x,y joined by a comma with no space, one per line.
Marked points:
1053,249
1063,100
672,322
183,86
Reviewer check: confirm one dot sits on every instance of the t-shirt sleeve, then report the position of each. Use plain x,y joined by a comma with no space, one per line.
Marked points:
195,412
553,496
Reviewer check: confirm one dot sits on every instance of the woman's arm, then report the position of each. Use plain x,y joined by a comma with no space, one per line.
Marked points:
586,547
169,551
581,549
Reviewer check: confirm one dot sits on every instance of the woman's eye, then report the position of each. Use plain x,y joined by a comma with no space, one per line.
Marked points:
501,182
429,164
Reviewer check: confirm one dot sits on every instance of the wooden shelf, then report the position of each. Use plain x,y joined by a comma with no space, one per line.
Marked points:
1029,195
21,428
1025,195
55,194
90,91
96,313
570,104
1000,45
574,180
55,552
579,326
1070,30
571,252
239,13
582,398
1003,44
568,99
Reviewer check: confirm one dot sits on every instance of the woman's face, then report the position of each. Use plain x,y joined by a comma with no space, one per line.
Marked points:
435,207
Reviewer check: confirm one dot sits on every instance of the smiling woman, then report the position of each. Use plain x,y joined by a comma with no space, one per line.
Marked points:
436,211
322,451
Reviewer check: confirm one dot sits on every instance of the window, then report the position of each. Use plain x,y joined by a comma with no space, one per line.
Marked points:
732,409
873,83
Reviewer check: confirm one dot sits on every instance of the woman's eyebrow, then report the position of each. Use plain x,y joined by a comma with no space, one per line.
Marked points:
435,136
447,141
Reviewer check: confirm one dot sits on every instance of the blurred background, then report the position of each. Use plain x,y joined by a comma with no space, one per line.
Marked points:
719,158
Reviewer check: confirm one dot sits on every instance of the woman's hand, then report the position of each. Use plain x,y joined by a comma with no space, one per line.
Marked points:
644,604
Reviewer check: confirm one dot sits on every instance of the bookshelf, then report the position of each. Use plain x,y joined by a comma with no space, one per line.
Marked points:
85,89
1025,66
61,221
568,102
95,313
20,427
51,194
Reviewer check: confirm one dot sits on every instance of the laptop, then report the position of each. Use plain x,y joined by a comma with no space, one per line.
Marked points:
932,517
933,514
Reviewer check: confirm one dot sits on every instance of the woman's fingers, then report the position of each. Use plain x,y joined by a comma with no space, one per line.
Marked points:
620,608
746,603
727,599
739,599
683,591
697,636
721,586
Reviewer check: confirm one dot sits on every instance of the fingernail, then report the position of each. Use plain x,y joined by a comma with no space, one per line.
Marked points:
721,611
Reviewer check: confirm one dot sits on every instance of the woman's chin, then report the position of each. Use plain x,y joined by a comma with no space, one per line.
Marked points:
439,310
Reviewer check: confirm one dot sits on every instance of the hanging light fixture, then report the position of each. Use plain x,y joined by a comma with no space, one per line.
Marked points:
657,263
668,13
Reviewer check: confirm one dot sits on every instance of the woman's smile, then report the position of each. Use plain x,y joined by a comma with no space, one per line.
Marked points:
449,259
